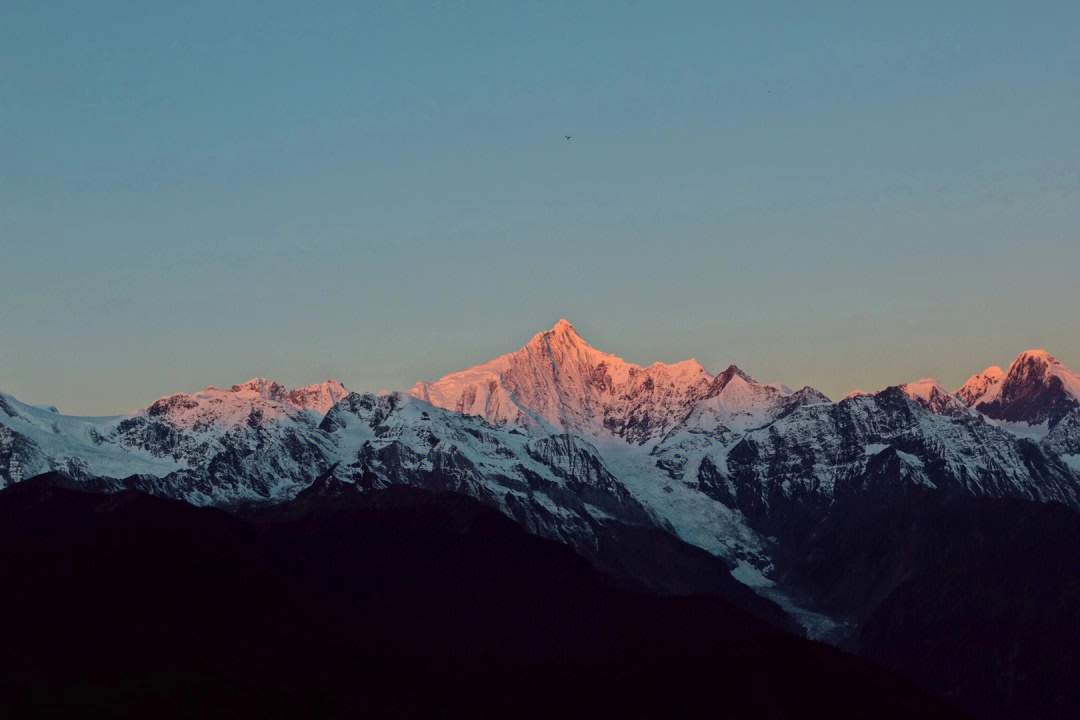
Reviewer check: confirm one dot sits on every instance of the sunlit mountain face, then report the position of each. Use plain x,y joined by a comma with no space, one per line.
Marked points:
888,524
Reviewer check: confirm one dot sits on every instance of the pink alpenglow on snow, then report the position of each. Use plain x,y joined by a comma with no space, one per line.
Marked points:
559,381
257,400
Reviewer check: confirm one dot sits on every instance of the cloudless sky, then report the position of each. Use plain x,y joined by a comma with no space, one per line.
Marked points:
840,194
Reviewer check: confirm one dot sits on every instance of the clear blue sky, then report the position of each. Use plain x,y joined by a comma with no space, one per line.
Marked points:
824,193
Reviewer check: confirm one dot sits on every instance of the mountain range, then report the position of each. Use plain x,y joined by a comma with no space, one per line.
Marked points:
639,469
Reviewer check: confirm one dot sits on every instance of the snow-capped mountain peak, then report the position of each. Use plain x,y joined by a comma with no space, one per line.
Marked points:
929,393
730,374
560,381
922,389
978,385
735,401
1037,365
563,331
1035,355
562,342
1035,389
319,397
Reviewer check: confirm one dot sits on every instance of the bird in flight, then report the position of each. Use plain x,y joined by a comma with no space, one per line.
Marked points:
568,137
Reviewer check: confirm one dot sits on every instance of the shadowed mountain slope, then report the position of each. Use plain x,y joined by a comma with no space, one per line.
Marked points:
407,604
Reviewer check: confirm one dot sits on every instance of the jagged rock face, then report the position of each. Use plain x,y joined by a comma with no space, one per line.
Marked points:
254,440
820,450
317,398
555,485
20,458
1036,389
1064,438
1040,393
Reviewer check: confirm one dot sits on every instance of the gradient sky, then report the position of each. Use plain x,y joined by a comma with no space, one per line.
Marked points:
824,193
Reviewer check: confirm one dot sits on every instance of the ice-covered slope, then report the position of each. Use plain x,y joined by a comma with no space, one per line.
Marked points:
34,440
253,440
555,484
830,449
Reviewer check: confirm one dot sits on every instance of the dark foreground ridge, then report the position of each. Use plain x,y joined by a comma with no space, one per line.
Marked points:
400,602
976,598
